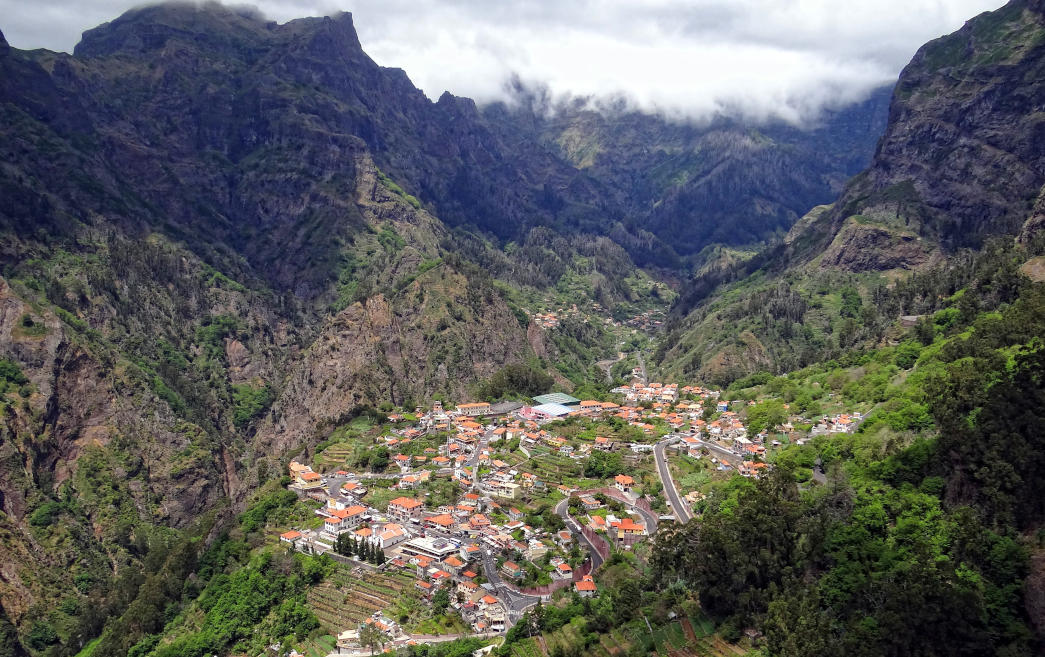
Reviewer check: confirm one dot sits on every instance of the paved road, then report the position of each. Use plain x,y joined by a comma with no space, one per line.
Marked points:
649,518
607,366
642,367
678,505
563,510
515,602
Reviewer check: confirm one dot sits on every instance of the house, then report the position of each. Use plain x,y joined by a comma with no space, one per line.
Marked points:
342,520
586,587
308,480
504,489
408,482
424,587
515,514
624,483
603,443
628,526
389,535
442,521
354,489
626,532
563,571
564,538
291,537
590,503
405,508
453,564
468,590
752,468
512,569
472,410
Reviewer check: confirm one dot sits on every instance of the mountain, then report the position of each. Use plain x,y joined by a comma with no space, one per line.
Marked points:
696,184
958,174
222,238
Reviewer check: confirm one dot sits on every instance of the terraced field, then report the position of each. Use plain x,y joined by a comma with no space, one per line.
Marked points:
335,455
527,648
709,646
694,637
346,599
318,647
555,468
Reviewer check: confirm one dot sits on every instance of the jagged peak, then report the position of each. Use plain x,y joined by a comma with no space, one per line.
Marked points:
4,47
149,28
208,23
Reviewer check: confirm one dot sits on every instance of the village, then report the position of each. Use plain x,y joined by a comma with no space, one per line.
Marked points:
484,509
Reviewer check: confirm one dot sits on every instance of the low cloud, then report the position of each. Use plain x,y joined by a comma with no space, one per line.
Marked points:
691,59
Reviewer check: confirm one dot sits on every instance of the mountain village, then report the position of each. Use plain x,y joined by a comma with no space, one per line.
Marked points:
526,513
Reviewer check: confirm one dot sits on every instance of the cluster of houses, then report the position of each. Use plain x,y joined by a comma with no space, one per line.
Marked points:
841,423
552,318
646,321
443,546
668,393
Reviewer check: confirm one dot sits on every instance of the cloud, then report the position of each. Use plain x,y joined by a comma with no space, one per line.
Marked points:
684,58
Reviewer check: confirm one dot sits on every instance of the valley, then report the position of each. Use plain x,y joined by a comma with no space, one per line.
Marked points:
297,360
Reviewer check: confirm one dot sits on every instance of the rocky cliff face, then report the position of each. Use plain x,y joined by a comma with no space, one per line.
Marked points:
963,156
692,185
962,160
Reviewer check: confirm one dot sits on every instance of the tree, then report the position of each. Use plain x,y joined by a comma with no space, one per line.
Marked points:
925,331
371,637
766,415
601,465
343,545
440,601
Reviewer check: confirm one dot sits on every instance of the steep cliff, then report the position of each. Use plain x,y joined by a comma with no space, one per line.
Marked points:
963,156
962,163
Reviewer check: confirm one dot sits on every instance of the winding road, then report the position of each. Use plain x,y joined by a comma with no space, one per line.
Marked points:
563,511
679,506
515,602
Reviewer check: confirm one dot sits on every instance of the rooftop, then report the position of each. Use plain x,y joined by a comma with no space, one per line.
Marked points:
556,398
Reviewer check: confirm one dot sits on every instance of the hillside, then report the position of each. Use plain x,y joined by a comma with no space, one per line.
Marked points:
222,239
959,165
698,184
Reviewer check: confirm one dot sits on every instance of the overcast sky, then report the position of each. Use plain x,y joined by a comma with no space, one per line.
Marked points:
781,58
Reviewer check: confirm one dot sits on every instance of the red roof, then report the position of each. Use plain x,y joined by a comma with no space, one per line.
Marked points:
406,502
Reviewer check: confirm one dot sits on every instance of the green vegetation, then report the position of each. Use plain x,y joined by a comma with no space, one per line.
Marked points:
212,333
256,604
603,465
11,377
914,544
515,381
250,402
395,188
813,315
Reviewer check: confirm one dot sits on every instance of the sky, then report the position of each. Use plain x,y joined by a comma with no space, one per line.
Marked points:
690,59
